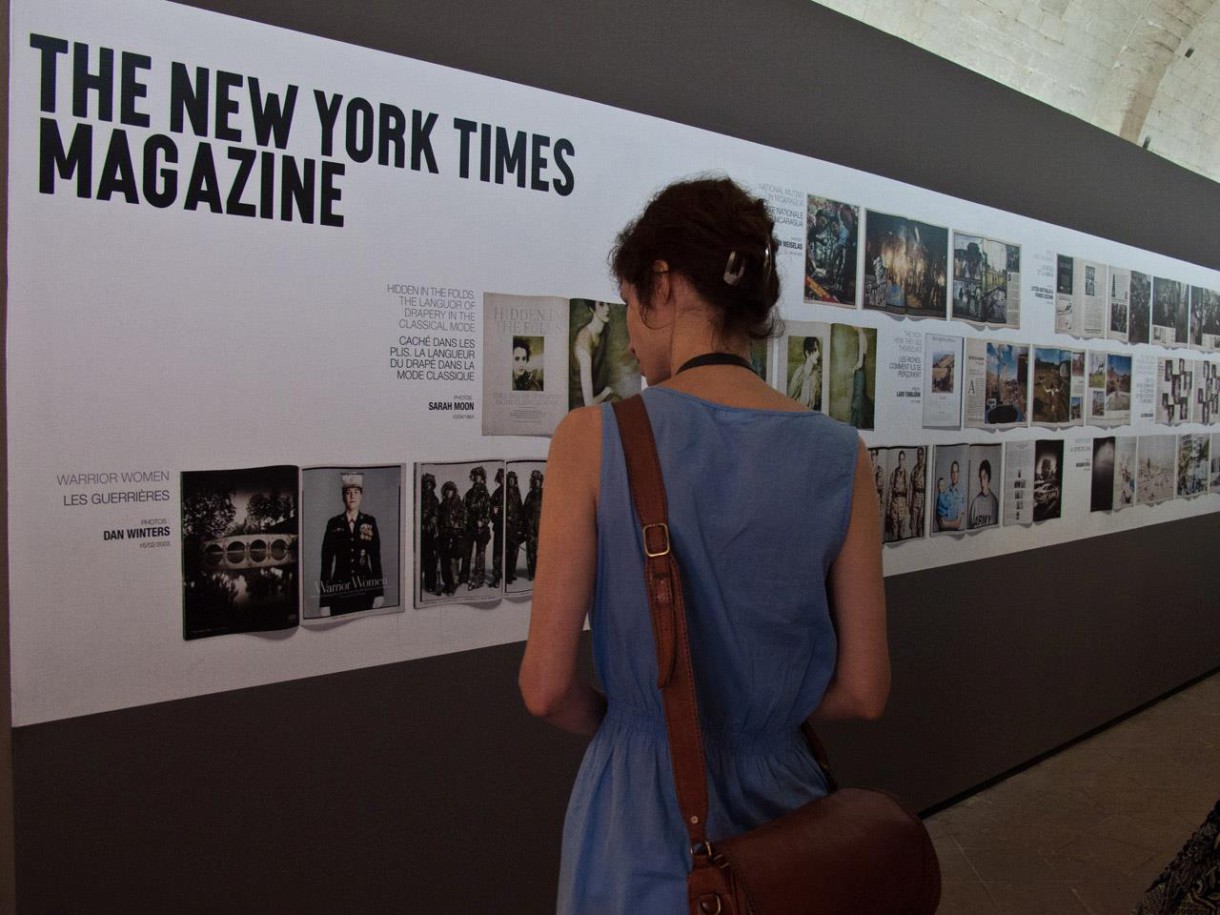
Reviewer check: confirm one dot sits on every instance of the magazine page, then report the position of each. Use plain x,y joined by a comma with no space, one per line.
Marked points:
1081,301
239,551
522,516
942,382
1175,388
807,364
1018,482
950,468
1214,483
1193,464
351,552
853,375
1145,382
904,266
1058,392
1108,398
1119,319
1101,493
1139,326
1205,317
983,501
453,518
986,281
1048,478
1200,403
1170,312
1208,392
1067,315
901,476
600,364
525,364
832,243
1156,477
1125,471
997,379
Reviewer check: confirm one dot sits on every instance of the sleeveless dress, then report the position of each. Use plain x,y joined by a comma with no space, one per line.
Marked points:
759,503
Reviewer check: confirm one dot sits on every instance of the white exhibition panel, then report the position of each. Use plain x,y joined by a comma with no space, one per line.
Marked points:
153,340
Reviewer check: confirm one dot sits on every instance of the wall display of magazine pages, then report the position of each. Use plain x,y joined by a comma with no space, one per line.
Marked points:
1107,399
1170,312
905,266
986,281
832,243
1080,297
544,356
409,298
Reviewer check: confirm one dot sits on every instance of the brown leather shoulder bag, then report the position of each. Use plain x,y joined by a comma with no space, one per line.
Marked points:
854,851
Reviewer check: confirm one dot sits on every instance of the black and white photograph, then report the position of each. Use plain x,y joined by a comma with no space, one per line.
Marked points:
1140,323
1193,465
1048,479
986,281
351,534
455,562
1125,471
905,266
523,487
1213,484
901,476
1205,318
239,551
1174,389
1119,321
528,369
832,232
1156,478
949,483
1170,312
1108,398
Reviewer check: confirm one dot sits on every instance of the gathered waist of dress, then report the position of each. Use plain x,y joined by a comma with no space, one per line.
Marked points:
624,717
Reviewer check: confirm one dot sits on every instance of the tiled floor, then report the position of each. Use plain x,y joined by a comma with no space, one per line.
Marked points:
1085,831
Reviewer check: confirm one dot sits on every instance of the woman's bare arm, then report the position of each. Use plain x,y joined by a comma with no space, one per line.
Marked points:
563,584
861,681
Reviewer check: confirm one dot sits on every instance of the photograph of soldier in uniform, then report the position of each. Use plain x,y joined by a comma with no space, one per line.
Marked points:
1157,463
600,364
1193,464
522,514
901,476
527,363
1048,479
349,559
986,281
455,528
239,551
983,502
905,266
831,243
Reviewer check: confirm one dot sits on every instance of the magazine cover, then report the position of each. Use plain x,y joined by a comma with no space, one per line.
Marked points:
350,540
1108,398
455,521
996,384
942,382
905,266
831,251
1156,478
901,476
522,516
1193,465
986,281
239,551
1059,383
1170,312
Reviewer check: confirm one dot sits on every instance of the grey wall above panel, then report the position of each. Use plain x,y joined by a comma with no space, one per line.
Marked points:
797,76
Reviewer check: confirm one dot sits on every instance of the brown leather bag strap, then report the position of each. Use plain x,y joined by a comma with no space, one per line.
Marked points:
663,580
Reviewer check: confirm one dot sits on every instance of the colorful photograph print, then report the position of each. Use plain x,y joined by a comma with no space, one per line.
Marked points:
905,266
831,247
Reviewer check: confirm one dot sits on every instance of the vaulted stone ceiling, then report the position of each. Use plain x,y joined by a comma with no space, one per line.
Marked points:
1147,70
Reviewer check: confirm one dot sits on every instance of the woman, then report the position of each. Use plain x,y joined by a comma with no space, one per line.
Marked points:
805,385
775,522
589,384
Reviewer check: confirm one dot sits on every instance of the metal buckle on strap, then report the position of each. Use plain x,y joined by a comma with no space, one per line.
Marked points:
662,530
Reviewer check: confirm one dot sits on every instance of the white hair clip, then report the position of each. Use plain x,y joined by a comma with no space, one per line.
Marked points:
734,268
